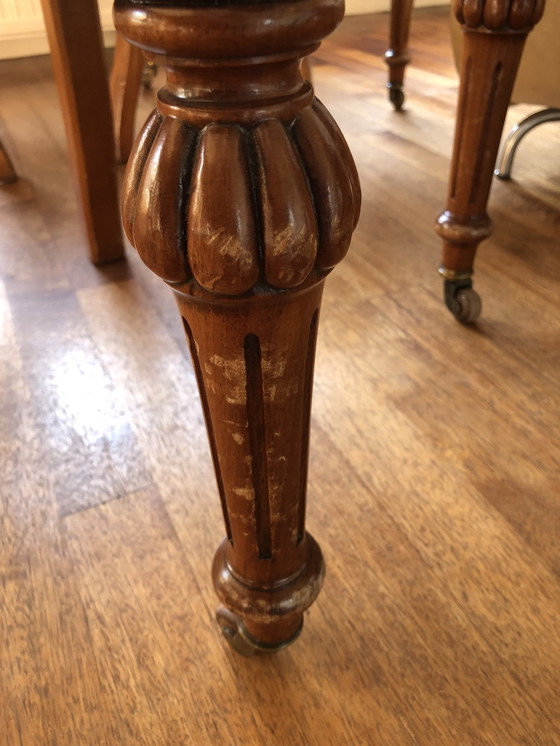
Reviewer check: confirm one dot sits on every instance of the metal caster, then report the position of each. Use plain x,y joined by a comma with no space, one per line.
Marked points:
148,75
241,641
396,96
463,302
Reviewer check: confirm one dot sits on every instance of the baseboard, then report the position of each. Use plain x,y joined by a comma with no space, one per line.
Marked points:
358,7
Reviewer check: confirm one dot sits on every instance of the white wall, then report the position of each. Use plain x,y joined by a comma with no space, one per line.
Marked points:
22,31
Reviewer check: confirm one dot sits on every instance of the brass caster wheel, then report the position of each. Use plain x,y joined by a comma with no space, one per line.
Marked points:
463,302
396,96
241,641
148,75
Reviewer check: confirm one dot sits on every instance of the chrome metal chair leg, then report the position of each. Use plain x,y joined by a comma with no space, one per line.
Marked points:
516,134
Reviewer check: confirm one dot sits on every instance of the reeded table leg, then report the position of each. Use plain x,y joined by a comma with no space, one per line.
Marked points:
242,195
494,37
397,57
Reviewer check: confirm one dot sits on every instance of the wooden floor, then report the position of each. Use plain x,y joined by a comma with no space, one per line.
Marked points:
434,476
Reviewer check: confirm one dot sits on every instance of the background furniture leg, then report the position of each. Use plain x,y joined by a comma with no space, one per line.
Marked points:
77,54
493,44
126,76
397,57
241,193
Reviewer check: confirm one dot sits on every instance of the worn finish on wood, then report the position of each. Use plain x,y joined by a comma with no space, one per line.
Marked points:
77,55
242,194
126,76
397,56
433,462
495,33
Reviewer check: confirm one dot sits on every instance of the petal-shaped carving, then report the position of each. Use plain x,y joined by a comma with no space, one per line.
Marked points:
134,169
222,235
340,143
495,14
331,187
469,12
289,222
499,15
159,223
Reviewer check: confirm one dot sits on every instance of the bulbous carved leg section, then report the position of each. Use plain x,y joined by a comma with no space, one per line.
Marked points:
493,42
397,57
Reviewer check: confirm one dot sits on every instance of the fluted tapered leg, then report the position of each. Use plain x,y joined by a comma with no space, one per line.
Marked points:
494,35
242,195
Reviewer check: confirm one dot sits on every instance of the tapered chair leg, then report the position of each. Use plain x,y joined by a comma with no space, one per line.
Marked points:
242,195
494,38
397,57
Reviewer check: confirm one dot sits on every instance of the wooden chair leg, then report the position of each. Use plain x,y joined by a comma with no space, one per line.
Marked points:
126,76
241,193
397,57
493,44
7,171
77,53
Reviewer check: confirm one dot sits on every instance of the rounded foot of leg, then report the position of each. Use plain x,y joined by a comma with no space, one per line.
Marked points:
241,641
463,302
396,96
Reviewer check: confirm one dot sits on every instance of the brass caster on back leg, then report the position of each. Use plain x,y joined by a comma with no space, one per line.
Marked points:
149,75
239,639
462,300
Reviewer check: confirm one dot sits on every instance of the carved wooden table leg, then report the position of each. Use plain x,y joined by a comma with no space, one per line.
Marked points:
79,66
397,57
495,33
242,195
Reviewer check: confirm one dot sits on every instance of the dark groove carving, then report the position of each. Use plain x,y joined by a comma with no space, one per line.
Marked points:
209,427
465,87
482,153
257,441
306,422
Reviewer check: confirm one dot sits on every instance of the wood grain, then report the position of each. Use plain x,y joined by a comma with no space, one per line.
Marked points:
433,481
